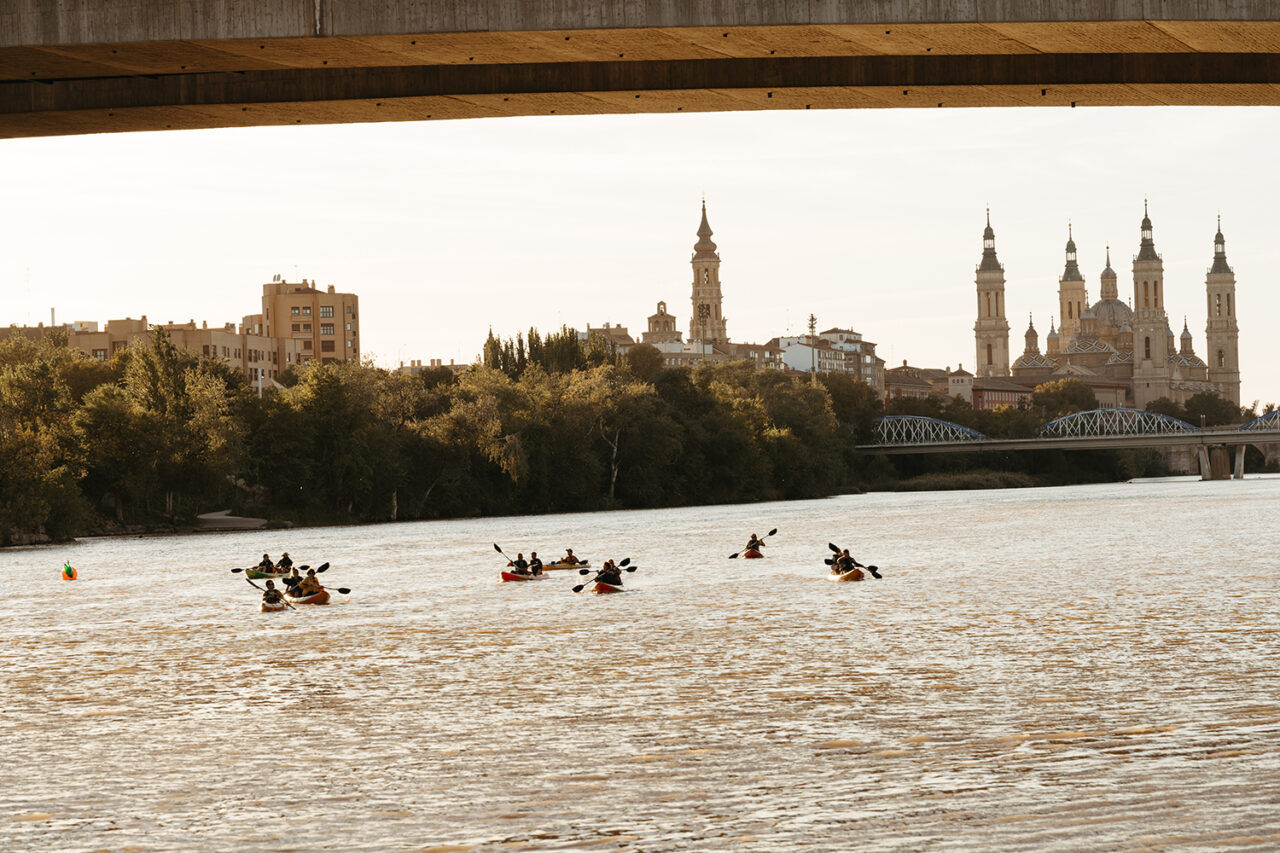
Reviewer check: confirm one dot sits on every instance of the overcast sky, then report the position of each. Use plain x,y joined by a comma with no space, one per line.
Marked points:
869,219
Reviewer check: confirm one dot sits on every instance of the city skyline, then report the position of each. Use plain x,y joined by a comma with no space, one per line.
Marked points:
870,220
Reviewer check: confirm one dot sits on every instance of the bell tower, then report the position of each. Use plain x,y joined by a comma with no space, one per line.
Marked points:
707,322
991,330
1221,330
1150,322
1072,296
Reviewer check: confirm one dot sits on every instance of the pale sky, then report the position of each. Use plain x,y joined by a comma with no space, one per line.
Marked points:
869,219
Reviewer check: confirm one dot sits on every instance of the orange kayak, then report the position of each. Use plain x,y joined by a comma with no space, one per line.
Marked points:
851,575
321,597
752,554
602,588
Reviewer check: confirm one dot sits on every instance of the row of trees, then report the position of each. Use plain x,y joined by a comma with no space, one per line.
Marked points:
548,423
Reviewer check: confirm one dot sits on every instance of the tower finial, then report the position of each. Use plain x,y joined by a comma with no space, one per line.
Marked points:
988,214
1144,207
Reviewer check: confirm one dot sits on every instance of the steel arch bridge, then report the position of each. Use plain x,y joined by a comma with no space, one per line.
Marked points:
1266,423
913,429
1100,422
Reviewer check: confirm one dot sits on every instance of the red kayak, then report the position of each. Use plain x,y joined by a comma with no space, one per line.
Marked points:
602,588
854,574
512,577
752,554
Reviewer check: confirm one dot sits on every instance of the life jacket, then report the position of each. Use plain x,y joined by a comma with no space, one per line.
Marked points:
310,585
272,596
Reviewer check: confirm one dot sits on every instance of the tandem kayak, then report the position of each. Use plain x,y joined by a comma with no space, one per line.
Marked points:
546,567
854,574
752,554
512,577
321,597
259,574
274,607
602,588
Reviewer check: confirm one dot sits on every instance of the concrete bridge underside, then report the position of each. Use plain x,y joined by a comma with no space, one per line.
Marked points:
91,66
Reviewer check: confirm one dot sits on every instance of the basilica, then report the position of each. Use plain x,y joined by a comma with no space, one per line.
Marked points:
1126,352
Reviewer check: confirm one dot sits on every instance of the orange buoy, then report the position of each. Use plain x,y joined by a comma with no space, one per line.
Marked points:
68,572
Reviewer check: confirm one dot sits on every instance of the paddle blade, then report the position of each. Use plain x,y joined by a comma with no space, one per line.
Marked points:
303,568
343,590
579,587
624,562
771,532
236,571
733,556
632,568
496,548
584,571
833,548
324,567
829,561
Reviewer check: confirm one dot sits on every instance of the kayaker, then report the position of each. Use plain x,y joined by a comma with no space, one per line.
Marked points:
844,563
272,595
285,562
293,579
520,565
266,564
609,573
535,565
309,585
569,559
755,543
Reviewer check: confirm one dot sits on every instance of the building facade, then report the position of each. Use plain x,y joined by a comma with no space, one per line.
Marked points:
324,323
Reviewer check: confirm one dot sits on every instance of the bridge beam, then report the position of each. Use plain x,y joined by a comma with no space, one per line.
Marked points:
84,66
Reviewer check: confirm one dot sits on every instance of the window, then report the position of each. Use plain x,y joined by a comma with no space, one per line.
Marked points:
326,328
990,360
326,346
101,354
296,328
351,309
293,312
1222,359
206,350
1146,296
1146,347
1070,316
306,344
988,304
326,310
306,328
306,310
1228,304
351,327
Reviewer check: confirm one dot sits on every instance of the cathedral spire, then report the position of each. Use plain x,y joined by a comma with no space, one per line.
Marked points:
1147,249
1032,338
989,259
1072,270
704,248
1219,250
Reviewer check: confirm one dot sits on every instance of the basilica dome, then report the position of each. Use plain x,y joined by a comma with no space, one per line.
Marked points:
1112,313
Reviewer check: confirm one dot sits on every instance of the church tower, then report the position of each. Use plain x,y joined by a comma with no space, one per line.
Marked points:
1151,335
707,322
1222,332
1072,296
991,331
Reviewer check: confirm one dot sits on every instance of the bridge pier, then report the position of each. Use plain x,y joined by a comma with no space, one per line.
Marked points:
1240,451
1215,463
1206,473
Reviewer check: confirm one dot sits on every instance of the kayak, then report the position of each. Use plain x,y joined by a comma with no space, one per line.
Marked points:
559,565
602,588
275,607
321,597
854,574
259,574
751,554
511,577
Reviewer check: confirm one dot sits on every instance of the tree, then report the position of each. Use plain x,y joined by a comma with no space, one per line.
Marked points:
1063,397
645,361
1217,411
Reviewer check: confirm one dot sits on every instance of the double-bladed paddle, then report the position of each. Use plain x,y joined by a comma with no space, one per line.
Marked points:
734,555
831,562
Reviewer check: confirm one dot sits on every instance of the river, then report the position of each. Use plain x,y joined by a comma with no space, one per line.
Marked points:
1044,669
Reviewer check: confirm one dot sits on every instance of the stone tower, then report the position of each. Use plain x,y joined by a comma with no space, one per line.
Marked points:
991,331
1221,330
1072,296
1110,287
1151,334
707,322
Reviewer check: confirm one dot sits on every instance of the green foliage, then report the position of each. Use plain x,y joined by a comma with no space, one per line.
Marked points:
1063,397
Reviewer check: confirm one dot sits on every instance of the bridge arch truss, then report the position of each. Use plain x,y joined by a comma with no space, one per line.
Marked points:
1104,422
1266,423
914,429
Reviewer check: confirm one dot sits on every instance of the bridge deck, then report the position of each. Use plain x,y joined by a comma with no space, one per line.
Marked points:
1208,438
